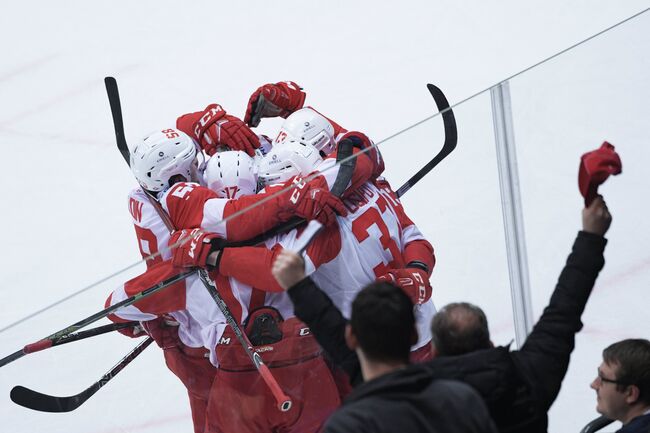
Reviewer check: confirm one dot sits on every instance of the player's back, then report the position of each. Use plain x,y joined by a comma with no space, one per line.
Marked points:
361,247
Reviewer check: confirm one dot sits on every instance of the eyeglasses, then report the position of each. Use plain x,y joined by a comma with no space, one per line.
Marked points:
606,380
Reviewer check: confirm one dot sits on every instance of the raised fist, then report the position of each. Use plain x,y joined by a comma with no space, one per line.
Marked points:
312,201
596,217
273,100
217,128
413,281
191,248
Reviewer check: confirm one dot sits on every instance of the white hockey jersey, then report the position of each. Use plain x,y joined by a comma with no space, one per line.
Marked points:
360,247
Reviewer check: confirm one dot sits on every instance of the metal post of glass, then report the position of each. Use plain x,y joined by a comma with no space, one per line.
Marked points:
512,211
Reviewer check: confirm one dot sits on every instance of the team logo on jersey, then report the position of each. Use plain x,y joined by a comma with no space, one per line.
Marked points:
224,340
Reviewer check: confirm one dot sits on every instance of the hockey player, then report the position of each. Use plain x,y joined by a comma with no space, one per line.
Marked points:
288,348
162,163
286,345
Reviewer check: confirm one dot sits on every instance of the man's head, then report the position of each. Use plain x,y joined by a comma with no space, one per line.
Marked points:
623,382
382,324
163,158
459,328
231,174
308,127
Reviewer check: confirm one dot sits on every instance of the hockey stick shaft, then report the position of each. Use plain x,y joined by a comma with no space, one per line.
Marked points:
283,401
54,338
48,403
46,344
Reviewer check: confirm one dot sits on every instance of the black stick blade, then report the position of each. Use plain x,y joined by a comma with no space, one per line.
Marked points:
48,403
116,112
451,138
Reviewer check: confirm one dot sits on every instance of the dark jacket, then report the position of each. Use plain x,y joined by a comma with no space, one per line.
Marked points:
640,424
518,386
410,400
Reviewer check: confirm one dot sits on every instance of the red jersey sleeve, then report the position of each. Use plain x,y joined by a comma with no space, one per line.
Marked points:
252,266
254,221
185,203
167,300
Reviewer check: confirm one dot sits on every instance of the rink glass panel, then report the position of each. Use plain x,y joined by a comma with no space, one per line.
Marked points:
562,109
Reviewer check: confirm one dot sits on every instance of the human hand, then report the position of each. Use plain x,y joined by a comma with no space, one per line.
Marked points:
288,269
596,217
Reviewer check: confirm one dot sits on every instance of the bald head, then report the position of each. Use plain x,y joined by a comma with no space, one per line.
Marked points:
460,328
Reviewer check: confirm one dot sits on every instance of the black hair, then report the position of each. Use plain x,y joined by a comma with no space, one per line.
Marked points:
383,322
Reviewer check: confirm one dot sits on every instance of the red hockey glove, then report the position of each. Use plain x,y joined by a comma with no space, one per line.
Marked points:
191,248
216,128
273,100
311,201
164,331
414,282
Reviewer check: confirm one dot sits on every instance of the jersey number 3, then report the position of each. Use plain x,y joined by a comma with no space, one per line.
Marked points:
360,228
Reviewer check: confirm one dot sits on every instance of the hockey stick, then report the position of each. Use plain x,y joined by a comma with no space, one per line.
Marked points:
116,112
53,339
451,138
49,403
284,402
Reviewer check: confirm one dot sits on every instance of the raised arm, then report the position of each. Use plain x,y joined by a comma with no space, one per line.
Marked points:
314,307
544,357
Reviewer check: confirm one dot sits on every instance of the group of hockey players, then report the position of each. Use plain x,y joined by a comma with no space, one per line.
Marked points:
211,183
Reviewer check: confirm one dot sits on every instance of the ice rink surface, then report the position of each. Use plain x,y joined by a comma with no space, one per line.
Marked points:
366,65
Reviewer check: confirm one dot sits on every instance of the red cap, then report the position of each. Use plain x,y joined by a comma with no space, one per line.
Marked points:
595,167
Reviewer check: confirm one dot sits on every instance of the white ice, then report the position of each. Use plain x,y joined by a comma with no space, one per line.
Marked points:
364,63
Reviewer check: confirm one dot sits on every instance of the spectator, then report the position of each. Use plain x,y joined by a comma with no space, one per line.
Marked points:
394,396
623,385
518,386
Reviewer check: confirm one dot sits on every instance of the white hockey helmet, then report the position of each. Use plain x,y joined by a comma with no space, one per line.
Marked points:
161,155
308,127
287,159
231,174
